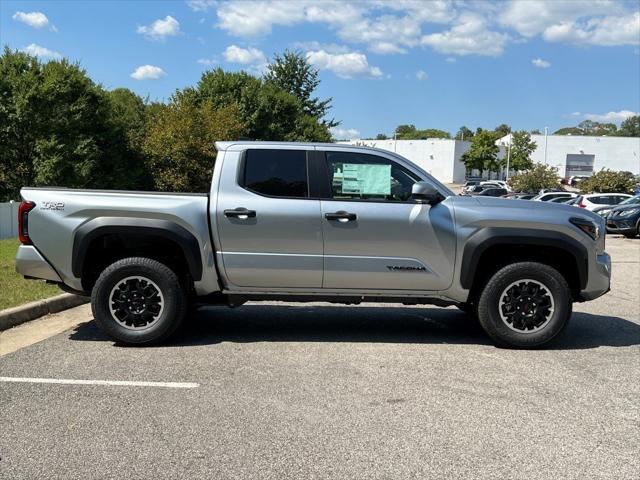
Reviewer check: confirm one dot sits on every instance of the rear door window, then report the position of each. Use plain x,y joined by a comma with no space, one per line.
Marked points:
276,173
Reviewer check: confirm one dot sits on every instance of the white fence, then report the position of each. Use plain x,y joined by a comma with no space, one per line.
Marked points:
9,219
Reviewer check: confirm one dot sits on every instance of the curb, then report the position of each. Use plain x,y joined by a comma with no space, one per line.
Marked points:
30,311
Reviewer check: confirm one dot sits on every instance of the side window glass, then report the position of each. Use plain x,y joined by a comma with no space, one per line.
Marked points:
276,173
359,176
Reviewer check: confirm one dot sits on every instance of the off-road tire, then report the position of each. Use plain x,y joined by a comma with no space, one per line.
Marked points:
174,298
489,305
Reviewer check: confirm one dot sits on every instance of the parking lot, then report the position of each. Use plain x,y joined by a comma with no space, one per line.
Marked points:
317,391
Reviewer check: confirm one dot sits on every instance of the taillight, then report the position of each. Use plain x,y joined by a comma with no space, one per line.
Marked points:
581,204
23,221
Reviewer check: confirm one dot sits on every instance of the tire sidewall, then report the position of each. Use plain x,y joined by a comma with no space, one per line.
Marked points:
489,313
162,276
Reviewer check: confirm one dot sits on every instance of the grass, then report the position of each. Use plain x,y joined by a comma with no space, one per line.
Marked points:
15,290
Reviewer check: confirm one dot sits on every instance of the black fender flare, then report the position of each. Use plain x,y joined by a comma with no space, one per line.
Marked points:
123,225
488,237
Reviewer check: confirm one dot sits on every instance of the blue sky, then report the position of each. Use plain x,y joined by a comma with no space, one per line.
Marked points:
435,64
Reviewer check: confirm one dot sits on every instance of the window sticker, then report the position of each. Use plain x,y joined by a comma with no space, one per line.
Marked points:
363,179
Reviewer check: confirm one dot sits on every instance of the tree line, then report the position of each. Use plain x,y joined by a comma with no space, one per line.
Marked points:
60,128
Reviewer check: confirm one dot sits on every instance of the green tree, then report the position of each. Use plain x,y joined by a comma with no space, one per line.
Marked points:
179,142
536,131
535,179
268,112
630,127
464,133
502,130
483,152
569,131
409,132
609,181
294,74
405,130
521,149
57,128
381,136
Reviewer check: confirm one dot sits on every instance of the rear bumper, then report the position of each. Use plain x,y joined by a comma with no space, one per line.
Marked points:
30,263
599,281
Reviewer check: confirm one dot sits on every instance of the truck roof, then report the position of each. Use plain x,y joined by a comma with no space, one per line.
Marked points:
226,145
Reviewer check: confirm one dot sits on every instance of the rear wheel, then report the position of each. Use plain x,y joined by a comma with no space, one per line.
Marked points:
138,301
525,305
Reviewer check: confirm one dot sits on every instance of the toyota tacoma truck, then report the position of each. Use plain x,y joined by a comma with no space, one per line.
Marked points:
302,222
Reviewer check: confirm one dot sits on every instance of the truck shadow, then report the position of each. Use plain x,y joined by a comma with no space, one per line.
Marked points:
276,323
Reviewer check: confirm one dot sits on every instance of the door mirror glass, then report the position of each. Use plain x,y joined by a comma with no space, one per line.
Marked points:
424,192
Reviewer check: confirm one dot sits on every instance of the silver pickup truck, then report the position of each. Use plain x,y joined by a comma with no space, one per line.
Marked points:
314,222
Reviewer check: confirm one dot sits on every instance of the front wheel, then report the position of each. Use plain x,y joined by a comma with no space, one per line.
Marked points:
138,301
525,305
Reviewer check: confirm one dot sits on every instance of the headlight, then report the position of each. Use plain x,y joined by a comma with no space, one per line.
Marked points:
603,213
587,226
627,213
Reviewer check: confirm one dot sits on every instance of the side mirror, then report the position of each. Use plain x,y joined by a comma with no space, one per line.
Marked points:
424,192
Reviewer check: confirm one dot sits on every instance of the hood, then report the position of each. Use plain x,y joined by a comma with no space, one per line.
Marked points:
621,208
530,205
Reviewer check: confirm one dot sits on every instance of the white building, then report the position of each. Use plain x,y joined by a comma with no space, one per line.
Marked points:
438,156
583,155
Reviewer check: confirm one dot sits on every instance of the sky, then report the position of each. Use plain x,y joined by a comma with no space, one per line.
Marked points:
528,63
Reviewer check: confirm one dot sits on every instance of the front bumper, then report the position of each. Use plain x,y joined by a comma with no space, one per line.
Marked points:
599,281
621,225
30,263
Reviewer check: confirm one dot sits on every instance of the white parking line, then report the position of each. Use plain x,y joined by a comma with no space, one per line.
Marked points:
117,383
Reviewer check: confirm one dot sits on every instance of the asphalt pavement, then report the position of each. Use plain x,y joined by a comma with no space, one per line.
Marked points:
275,391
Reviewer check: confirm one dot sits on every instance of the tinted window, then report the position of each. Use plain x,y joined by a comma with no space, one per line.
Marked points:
277,173
358,176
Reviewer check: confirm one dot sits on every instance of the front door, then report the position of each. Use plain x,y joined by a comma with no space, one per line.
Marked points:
269,227
375,236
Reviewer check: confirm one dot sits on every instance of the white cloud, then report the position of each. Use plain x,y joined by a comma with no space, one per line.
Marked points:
327,47
540,63
33,19
148,72
602,22
161,28
344,133
255,18
421,75
207,61
244,56
201,5
41,52
344,65
607,31
609,117
450,60
469,36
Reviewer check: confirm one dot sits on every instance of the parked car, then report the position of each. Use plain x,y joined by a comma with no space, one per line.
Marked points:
594,200
625,218
492,192
496,184
564,200
522,196
576,179
545,197
313,222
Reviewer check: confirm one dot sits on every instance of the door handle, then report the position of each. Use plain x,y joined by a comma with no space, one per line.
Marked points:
241,213
341,216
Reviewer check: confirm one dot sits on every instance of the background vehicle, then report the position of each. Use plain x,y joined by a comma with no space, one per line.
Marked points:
313,222
576,179
492,192
565,200
594,200
625,218
545,197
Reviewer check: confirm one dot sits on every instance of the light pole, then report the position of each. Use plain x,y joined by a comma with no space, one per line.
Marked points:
509,154
546,133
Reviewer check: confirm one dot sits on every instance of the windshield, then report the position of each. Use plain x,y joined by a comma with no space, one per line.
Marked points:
631,201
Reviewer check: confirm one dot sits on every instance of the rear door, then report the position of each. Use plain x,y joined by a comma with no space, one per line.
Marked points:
268,224
375,236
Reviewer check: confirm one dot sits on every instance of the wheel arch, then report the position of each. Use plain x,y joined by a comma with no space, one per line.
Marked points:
493,247
134,232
